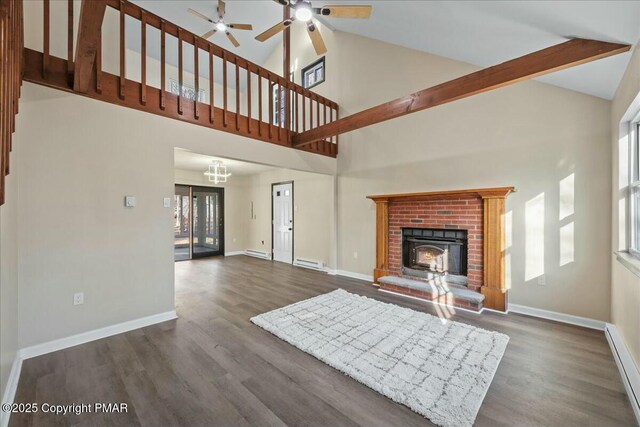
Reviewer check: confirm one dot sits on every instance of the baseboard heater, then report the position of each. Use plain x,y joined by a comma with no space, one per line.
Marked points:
306,263
628,371
257,254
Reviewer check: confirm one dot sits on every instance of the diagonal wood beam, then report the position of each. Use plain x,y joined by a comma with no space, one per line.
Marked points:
91,16
564,55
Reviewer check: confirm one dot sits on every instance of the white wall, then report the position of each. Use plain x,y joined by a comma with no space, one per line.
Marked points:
79,158
625,285
314,213
9,274
533,136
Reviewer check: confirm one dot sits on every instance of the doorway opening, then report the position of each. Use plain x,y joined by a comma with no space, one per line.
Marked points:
282,221
198,222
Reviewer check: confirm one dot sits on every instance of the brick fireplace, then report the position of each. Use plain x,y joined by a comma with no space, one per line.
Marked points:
467,223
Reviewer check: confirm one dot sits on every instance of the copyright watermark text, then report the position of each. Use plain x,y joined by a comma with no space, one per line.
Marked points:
72,408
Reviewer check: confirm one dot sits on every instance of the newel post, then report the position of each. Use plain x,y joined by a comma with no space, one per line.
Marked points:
382,239
494,284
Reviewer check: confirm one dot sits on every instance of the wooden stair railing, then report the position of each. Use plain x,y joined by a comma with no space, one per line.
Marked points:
11,47
249,111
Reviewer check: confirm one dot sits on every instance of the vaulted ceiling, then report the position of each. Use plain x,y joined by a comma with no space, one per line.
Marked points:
482,33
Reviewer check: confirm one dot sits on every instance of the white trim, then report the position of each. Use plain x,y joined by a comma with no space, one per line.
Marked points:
234,253
431,302
10,390
96,334
354,275
628,369
558,317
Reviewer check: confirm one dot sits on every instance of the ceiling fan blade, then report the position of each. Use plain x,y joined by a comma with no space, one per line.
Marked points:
208,34
221,8
316,38
345,11
274,30
232,39
240,26
282,2
200,15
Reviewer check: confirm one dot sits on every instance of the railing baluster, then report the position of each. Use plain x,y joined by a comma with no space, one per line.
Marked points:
211,85
122,50
317,112
99,63
237,95
295,93
248,101
304,113
224,90
331,119
180,71
278,115
163,63
259,104
196,78
45,38
271,86
70,63
143,59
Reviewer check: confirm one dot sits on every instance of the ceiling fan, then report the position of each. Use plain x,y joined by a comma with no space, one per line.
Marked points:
303,11
220,25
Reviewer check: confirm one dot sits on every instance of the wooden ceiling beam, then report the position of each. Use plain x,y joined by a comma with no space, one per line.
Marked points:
564,55
91,17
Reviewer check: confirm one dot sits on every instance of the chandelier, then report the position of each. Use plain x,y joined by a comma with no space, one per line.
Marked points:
217,172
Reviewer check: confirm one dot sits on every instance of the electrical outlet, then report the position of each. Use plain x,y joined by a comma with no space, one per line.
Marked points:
78,298
355,255
234,240
166,202
542,281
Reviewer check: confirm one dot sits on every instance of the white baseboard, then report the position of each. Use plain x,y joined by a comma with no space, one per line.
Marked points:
234,253
96,334
558,317
628,369
353,275
10,390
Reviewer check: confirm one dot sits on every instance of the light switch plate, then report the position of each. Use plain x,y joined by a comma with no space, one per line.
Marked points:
166,202
129,201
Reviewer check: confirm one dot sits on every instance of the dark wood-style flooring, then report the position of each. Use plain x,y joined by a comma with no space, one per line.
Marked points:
212,367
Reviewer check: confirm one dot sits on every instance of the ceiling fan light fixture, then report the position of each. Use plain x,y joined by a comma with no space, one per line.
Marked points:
221,26
303,12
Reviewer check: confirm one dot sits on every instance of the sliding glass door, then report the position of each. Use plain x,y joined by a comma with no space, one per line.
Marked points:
199,222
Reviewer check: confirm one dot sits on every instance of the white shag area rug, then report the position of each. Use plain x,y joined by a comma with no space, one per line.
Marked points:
441,371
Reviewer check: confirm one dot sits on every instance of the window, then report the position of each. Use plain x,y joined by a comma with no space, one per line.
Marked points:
634,190
278,103
313,75
188,92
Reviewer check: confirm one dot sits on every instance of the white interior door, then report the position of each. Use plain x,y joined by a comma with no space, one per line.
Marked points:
283,223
